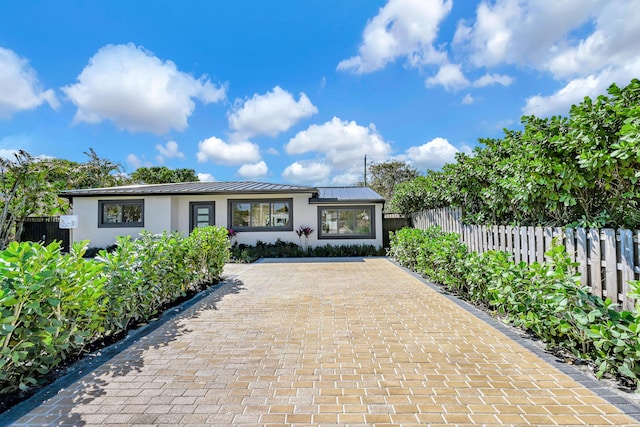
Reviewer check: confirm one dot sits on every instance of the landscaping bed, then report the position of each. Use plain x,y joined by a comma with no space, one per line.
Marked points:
55,308
545,300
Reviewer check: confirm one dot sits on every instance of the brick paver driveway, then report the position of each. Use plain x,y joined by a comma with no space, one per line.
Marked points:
357,342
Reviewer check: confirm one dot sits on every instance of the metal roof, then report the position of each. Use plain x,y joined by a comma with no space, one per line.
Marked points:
347,195
319,194
190,188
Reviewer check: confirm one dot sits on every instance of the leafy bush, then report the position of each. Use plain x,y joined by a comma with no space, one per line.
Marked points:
546,300
207,250
580,169
282,249
53,305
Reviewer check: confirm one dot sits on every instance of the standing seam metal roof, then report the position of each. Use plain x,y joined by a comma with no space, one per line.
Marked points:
190,188
320,194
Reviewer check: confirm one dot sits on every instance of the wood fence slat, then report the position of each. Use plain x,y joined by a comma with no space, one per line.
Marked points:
582,257
636,269
531,245
483,236
548,242
539,233
570,244
626,261
496,238
595,264
610,265
558,233
508,238
524,247
517,252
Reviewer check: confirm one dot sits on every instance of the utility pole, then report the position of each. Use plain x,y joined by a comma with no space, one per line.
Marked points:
365,170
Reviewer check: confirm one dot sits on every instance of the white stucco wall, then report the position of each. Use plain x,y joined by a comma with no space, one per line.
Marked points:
157,218
171,213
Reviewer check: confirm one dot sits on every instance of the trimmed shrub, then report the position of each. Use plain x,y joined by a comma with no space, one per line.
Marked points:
53,305
282,249
546,300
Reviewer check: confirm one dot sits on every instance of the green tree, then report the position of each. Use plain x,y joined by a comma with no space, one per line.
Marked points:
163,175
582,169
100,172
26,190
387,175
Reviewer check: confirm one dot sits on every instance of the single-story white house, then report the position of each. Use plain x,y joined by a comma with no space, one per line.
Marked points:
255,210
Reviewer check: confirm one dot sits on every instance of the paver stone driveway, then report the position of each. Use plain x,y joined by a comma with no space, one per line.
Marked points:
350,342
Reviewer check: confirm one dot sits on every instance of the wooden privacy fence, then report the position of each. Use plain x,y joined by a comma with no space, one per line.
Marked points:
607,259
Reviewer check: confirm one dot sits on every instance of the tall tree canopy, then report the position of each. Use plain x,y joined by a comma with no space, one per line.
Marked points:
25,190
577,170
163,175
29,186
386,175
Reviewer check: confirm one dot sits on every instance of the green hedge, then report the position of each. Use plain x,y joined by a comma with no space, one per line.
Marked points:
53,305
282,249
546,300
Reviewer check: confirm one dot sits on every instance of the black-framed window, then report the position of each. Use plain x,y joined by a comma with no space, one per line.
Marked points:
261,215
201,214
121,213
346,222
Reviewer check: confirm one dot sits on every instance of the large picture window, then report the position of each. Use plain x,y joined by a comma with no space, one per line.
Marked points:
261,215
346,222
121,213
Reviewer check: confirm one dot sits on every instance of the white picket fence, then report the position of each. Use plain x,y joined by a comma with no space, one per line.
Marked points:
607,259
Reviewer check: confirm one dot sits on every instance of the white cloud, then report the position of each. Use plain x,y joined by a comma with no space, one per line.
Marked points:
490,79
269,114
575,91
19,86
217,151
524,32
583,44
138,91
134,161
206,177
402,28
253,171
170,151
468,99
449,76
307,172
273,151
342,144
8,153
432,155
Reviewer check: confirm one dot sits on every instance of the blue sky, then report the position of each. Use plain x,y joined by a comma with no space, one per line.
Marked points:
297,91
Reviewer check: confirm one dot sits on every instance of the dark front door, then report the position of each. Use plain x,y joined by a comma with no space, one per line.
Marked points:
202,214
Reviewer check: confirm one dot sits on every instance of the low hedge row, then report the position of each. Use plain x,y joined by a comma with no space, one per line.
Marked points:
54,305
546,300
282,249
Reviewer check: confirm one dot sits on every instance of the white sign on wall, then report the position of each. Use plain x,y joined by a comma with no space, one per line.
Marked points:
68,221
